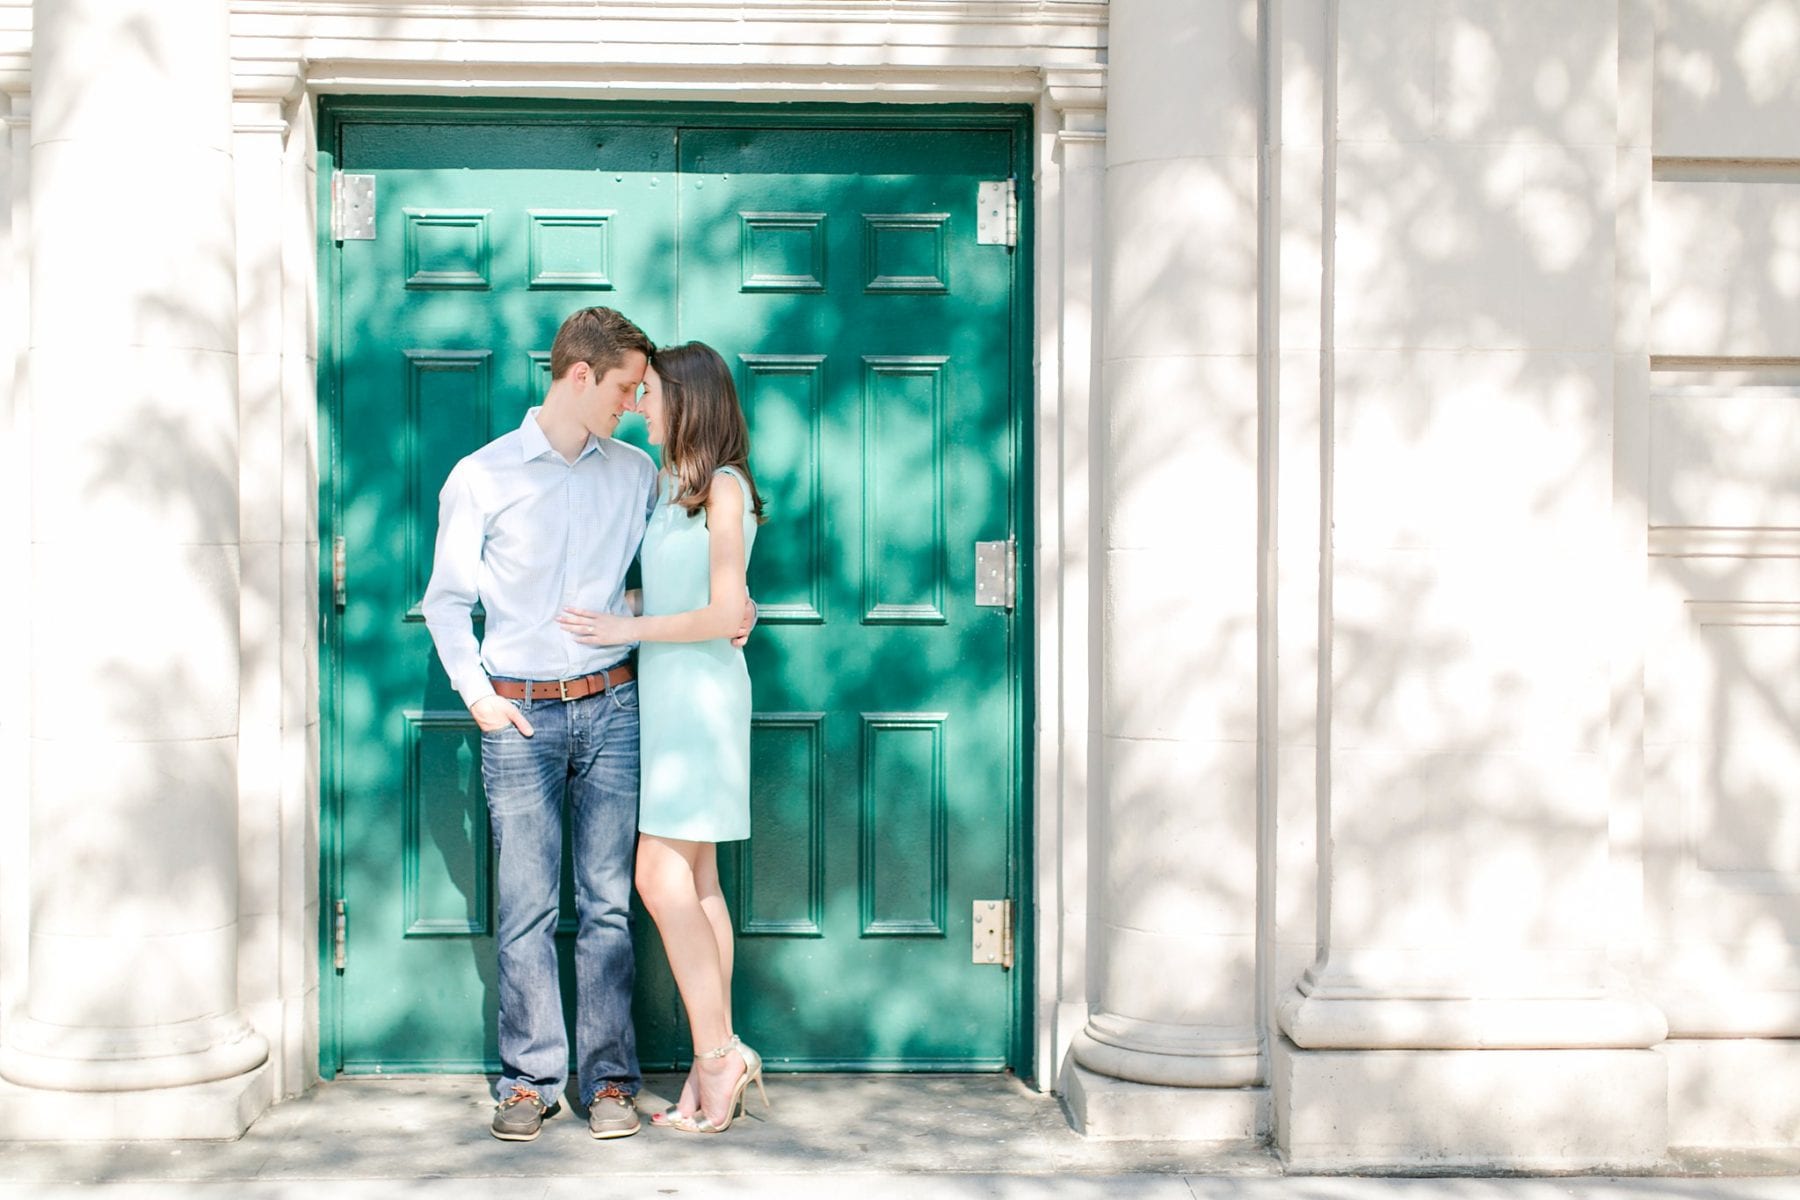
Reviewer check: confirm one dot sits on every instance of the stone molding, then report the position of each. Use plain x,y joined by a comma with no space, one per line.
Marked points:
275,79
922,50
1753,1008
1694,541
901,50
1316,1019
941,12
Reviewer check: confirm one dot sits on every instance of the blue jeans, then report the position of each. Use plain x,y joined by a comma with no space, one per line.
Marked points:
585,753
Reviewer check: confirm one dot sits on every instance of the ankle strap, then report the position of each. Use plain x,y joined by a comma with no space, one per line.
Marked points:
721,1051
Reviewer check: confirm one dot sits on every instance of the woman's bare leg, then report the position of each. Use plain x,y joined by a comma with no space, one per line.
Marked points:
712,903
669,876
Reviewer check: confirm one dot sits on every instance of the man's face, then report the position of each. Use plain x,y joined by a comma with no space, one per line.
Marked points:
607,396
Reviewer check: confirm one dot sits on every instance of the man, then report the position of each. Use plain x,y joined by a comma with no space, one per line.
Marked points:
544,518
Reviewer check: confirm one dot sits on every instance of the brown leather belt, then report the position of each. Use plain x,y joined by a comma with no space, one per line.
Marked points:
564,689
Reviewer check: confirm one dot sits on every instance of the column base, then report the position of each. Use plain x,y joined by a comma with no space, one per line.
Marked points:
1183,1056
78,1058
1325,1015
1100,1106
218,1111
1733,1093
1516,1110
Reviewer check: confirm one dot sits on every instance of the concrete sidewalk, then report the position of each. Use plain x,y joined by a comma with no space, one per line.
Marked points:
917,1187
870,1137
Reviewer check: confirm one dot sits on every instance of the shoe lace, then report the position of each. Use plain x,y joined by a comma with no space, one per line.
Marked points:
613,1091
520,1094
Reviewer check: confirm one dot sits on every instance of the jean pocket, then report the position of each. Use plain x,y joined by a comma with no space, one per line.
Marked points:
507,730
625,696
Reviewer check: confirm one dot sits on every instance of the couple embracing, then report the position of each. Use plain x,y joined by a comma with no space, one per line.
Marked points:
539,526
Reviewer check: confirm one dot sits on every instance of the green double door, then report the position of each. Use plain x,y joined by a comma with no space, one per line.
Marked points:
876,344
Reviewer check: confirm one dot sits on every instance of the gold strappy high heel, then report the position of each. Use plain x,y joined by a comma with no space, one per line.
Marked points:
700,1122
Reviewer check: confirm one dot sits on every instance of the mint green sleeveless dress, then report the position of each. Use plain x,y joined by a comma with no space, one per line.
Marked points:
693,697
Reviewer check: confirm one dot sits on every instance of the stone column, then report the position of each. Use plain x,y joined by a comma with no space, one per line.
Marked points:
1072,144
1462,1011
134,662
278,523
1175,818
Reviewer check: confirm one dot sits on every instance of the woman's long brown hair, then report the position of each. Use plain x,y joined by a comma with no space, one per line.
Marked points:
704,427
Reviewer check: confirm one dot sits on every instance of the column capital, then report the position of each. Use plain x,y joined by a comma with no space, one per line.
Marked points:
1078,97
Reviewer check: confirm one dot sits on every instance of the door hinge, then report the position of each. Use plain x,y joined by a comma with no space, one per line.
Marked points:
997,213
352,207
996,565
340,570
993,942
340,921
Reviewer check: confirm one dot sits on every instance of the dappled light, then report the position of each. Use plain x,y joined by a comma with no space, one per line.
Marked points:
1549,758
1473,397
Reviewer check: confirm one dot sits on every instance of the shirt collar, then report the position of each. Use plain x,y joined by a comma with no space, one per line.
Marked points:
534,445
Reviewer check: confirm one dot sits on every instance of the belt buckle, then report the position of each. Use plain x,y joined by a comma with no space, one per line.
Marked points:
562,690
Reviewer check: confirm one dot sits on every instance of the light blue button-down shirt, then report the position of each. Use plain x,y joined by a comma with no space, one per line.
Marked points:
528,534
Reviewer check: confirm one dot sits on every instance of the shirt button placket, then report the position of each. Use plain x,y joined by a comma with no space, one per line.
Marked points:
571,648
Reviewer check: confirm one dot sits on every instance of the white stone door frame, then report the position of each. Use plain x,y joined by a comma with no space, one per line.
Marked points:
277,104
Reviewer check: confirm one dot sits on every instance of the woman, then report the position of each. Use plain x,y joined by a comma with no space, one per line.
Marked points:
694,706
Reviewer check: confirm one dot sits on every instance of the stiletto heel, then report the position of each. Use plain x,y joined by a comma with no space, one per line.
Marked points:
753,1070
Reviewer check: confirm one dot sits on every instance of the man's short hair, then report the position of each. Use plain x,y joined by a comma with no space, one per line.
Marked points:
600,337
